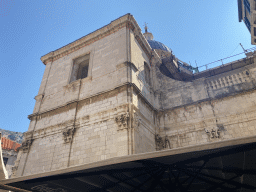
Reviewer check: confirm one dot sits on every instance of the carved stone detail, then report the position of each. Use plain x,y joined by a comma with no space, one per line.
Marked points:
213,133
122,120
73,85
68,134
14,169
230,80
162,143
159,142
136,121
119,120
167,143
39,97
26,144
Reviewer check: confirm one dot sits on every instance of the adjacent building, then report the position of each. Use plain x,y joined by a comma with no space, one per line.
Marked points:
9,152
247,14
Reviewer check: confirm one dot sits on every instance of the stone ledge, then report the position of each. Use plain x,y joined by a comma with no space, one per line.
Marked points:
74,101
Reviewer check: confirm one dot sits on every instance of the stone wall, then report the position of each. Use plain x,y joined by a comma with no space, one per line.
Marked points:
209,109
227,118
77,122
143,100
105,56
95,135
214,83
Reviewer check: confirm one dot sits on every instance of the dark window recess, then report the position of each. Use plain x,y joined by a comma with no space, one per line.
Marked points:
80,68
254,31
5,160
83,70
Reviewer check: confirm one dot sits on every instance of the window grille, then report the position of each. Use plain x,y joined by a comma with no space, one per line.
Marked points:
247,6
247,23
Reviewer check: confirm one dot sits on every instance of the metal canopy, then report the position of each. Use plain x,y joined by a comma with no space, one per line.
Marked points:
219,166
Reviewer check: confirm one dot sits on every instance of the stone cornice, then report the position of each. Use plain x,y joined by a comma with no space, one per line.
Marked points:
74,101
127,21
59,128
34,115
138,91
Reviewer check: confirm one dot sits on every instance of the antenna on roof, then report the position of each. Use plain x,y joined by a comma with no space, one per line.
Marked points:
245,51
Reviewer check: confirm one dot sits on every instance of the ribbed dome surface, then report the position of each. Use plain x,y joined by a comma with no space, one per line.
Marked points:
158,45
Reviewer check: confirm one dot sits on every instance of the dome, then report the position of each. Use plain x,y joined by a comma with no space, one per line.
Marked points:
157,45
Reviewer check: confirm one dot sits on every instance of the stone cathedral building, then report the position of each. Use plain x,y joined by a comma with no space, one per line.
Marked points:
118,92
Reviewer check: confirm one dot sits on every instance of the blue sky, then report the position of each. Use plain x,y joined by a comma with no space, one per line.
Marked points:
196,30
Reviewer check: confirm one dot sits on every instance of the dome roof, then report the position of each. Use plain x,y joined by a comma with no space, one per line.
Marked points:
157,45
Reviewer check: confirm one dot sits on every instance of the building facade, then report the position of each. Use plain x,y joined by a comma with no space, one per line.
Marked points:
118,92
9,153
247,14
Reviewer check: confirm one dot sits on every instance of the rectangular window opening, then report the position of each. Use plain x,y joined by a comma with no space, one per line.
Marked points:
80,68
83,70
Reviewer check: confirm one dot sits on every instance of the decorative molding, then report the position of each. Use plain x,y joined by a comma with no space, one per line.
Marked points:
28,134
229,80
127,21
213,133
39,97
68,134
73,85
159,142
162,143
136,121
26,144
167,143
78,44
120,87
107,30
14,170
82,121
50,130
122,120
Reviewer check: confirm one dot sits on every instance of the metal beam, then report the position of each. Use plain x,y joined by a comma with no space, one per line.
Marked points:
217,178
206,161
